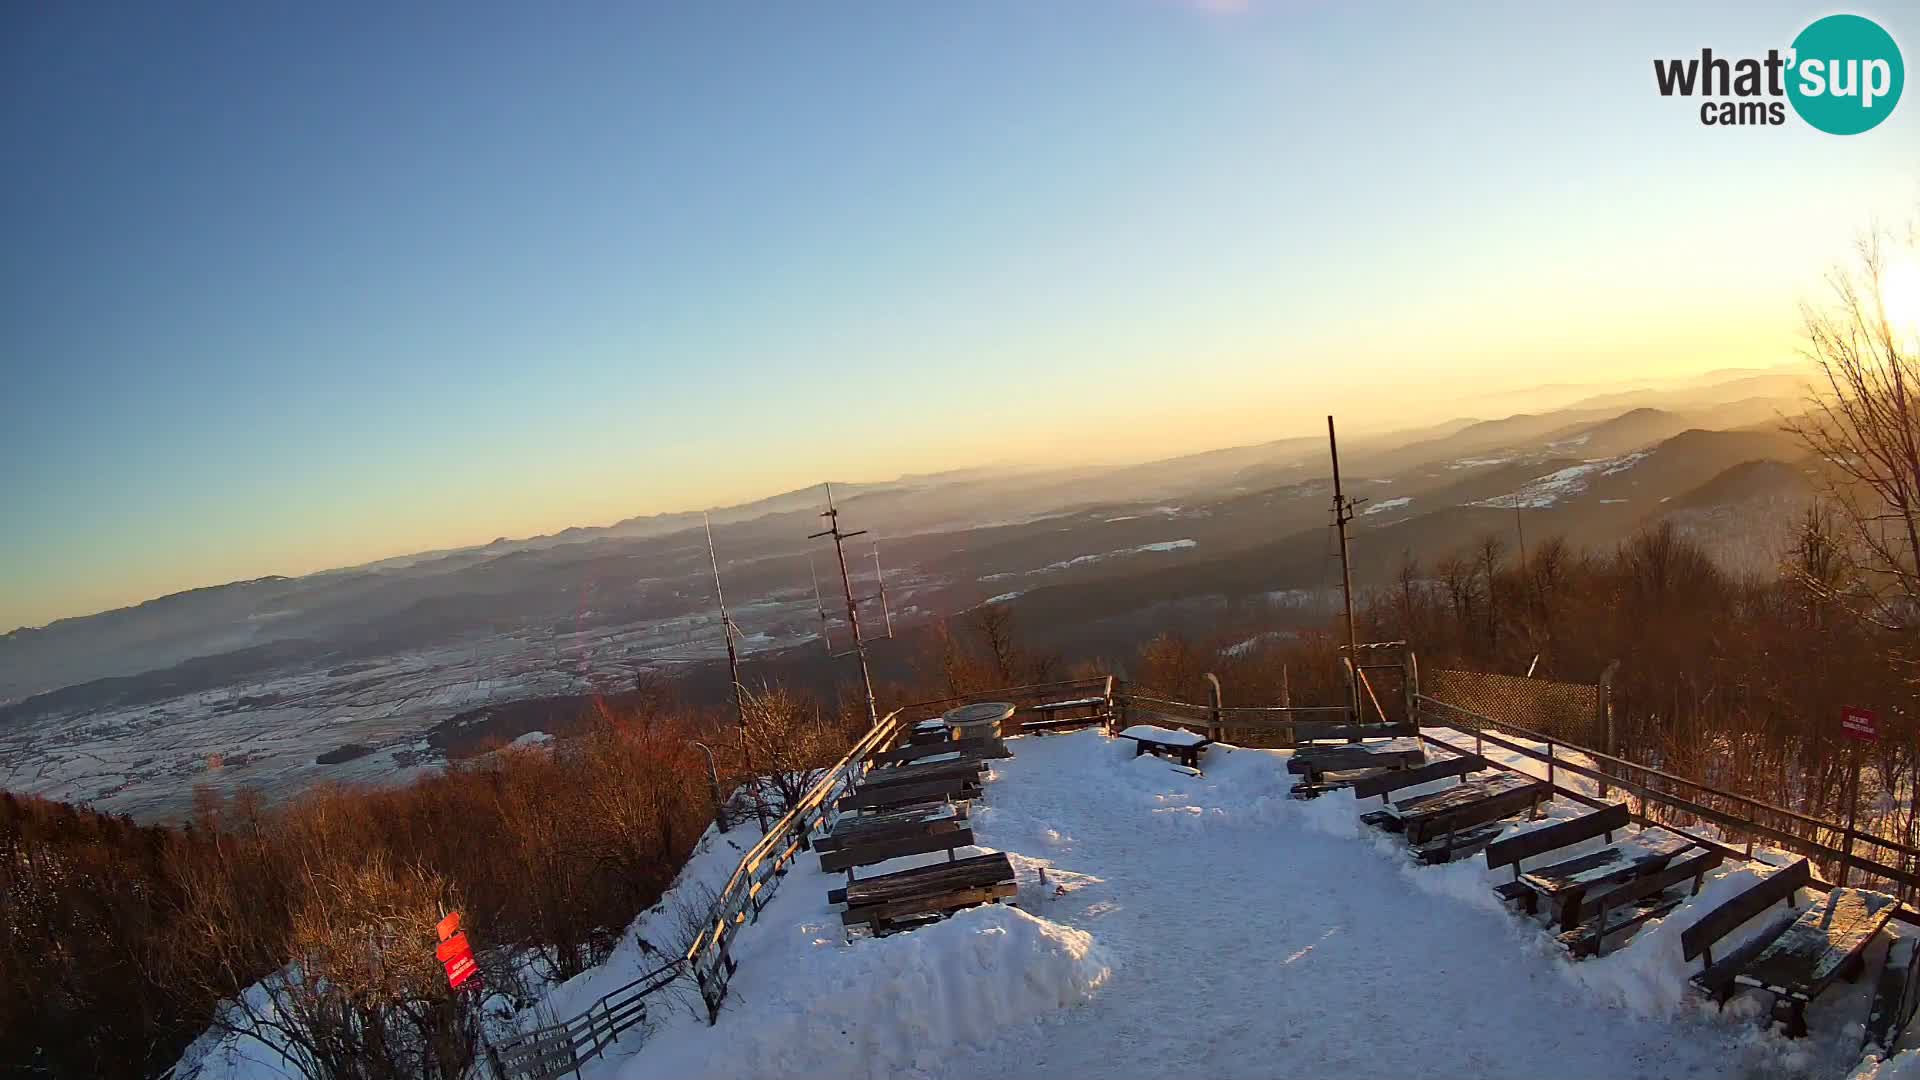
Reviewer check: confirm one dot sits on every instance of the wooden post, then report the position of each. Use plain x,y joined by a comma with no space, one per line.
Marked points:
1549,762
1214,705
1853,800
1605,705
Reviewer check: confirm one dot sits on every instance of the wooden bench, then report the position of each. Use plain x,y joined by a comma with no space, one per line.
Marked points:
1623,909
1565,885
972,750
1824,944
866,841
1052,714
1315,763
929,731
1463,819
1307,732
1716,978
887,902
1509,852
1185,745
1387,783
922,789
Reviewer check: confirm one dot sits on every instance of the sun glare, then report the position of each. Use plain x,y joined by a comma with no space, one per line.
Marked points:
1900,298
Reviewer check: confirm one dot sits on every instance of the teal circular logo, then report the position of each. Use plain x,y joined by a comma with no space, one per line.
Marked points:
1846,74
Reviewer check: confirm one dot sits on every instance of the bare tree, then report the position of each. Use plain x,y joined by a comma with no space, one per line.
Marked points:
1866,425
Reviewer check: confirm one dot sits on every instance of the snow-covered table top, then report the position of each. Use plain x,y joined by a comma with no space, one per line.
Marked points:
1164,736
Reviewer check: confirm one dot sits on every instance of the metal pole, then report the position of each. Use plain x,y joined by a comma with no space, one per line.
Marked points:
733,677
832,514
713,780
1343,513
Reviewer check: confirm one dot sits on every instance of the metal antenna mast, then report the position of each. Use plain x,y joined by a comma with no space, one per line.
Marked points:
832,514
728,630
1343,513
819,605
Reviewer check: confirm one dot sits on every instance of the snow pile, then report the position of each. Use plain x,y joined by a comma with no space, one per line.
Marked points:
1904,1065
893,1005
532,738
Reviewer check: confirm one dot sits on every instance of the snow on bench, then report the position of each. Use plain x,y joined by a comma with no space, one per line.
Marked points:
1186,745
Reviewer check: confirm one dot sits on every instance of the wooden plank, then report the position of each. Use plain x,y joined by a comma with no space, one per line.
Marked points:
1588,940
1641,853
859,830
955,834
892,795
1500,804
1387,783
1804,960
1547,838
1780,885
962,898
973,749
1450,846
1076,703
925,773
1340,730
1467,804
1394,753
1717,980
971,872
1641,892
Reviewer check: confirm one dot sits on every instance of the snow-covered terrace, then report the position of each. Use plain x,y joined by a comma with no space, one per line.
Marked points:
1171,924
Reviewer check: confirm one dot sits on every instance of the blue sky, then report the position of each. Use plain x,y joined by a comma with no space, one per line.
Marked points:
296,286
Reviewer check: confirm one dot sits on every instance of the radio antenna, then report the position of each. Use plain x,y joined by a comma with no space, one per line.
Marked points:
832,514
728,631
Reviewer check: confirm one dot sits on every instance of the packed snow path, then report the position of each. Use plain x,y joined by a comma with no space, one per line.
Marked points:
1201,926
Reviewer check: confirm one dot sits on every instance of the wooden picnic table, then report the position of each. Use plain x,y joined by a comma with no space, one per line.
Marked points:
1824,943
864,841
1475,802
1151,738
852,830
1564,885
1315,761
929,731
925,772
926,891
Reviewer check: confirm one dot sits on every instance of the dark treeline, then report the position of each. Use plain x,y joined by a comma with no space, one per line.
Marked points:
123,940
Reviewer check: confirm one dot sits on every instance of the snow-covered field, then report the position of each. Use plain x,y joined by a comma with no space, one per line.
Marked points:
1201,926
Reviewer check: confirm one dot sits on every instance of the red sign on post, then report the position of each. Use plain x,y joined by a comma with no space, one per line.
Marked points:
1858,723
454,953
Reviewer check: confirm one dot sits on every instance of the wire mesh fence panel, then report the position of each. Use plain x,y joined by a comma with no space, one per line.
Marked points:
1566,711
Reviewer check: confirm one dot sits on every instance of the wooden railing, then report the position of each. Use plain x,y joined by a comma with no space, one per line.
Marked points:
754,880
1742,819
1279,725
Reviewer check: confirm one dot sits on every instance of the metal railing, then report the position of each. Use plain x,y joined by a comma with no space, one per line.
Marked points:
558,1049
754,880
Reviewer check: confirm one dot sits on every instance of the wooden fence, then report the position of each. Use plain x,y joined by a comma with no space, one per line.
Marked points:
1252,725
